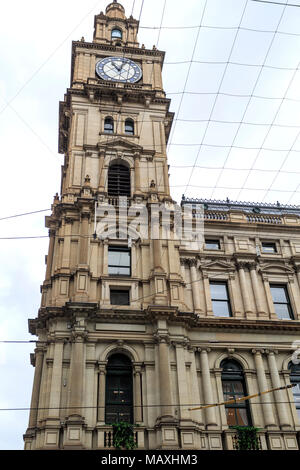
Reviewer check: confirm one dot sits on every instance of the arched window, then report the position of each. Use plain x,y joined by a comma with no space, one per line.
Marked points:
109,125
295,379
119,390
116,33
129,127
118,180
233,384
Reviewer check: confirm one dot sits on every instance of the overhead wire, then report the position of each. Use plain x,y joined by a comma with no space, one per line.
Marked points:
250,98
216,96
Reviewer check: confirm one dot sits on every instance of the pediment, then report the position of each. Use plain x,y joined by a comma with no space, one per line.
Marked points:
276,268
218,264
119,144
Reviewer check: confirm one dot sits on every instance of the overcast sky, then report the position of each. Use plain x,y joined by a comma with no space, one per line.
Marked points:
235,134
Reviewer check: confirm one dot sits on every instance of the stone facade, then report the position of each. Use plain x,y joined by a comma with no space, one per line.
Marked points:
169,331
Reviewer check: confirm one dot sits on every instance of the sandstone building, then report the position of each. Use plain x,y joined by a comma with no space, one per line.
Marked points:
141,328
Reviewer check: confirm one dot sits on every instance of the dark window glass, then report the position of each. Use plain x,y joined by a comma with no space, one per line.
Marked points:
129,127
220,299
295,379
119,181
212,245
281,302
118,394
269,247
119,297
109,125
119,261
116,34
233,384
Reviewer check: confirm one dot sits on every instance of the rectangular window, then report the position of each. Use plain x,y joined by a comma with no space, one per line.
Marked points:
220,299
281,302
211,244
119,297
268,247
119,261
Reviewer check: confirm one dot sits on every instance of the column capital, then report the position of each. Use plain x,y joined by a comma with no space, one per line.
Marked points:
79,336
257,351
162,338
204,350
270,352
183,343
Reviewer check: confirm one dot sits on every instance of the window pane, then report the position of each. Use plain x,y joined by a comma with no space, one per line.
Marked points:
269,247
218,291
118,271
212,244
279,294
241,417
231,418
282,311
119,297
118,258
129,127
220,308
116,33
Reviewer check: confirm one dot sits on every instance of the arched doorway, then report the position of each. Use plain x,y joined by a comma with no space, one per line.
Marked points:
119,390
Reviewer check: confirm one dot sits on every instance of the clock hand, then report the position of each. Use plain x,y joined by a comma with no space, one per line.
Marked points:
115,65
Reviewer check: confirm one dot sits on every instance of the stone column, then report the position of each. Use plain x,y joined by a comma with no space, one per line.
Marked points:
137,176
50,255
84,241
256,290
210,413
195,285
138,412
157,254
281,406
263,386
165,379
197,415
76,374
39,356
182,381
272,313
67,243
55,390
244,288
166,178
101,393
209,309
101,187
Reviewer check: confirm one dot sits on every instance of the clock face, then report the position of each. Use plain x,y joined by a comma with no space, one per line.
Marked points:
118,69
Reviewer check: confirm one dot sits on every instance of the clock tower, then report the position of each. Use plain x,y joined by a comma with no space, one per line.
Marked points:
103,349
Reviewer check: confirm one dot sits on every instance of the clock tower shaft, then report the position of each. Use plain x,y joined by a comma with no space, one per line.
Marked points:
106,301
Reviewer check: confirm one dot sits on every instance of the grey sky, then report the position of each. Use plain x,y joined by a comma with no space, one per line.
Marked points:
235,63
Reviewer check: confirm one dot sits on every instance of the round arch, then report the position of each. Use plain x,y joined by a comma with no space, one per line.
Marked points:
235,357
119,349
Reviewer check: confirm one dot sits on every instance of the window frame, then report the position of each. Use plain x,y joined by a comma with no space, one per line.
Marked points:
295,379
227,300
212,240
236,375
265,244
119,289
116,28
288,302
112,123
118,180
133,126
119,249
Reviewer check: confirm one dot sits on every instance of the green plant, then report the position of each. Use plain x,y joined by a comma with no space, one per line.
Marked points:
123,436
247,438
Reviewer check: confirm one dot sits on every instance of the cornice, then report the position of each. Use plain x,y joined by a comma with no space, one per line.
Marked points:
111,48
